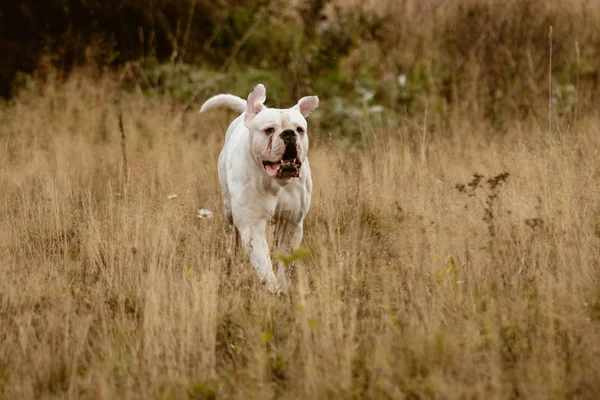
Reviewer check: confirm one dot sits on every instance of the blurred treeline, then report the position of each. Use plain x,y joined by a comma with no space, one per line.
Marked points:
489,58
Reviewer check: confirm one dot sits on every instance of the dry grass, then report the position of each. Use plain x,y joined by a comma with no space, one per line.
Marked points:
413,288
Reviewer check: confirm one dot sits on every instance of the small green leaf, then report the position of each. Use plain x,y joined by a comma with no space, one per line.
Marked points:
297,254
440,277
267,336
452,268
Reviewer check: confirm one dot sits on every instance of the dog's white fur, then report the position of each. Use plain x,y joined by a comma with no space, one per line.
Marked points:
252,194
224,100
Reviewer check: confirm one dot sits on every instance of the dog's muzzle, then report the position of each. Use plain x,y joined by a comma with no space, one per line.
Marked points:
289,165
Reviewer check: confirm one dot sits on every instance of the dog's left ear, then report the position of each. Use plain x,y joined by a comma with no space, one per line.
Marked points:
255,103
306,105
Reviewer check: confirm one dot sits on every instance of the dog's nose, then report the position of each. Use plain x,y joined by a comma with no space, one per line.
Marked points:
288,135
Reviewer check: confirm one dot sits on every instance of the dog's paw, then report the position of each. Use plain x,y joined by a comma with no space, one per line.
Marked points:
273,286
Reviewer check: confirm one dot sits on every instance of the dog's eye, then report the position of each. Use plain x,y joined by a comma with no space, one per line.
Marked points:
300,130
269,131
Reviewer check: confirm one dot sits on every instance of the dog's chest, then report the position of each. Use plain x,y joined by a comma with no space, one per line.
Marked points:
292,202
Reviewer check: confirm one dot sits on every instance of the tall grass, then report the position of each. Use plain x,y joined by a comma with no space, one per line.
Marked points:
421,282
460,57
480,57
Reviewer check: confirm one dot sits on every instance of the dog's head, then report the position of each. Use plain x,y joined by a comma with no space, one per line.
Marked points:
279,137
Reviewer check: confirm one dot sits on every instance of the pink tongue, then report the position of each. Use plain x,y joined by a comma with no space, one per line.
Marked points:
272,169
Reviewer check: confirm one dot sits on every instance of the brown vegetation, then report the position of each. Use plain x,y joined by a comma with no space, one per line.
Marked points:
454,235
423,281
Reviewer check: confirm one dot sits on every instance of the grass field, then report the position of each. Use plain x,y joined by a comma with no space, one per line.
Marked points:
423,280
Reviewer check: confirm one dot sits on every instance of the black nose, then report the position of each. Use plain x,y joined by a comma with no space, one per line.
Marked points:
288,135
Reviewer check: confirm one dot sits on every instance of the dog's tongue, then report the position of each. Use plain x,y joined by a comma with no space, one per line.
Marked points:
273,168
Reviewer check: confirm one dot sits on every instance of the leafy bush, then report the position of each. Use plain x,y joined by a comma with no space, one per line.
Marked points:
432,60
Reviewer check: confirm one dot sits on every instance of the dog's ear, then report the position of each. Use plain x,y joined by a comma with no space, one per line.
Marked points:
255,103
306,105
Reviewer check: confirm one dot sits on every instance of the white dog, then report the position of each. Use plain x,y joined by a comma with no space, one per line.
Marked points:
264,175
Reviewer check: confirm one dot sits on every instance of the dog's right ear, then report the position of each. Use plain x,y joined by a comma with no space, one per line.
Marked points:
255,103
306,105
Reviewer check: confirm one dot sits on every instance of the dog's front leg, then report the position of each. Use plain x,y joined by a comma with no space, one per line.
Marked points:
255,242
289,237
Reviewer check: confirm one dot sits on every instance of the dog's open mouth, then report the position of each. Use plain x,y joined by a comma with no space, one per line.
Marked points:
283,168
